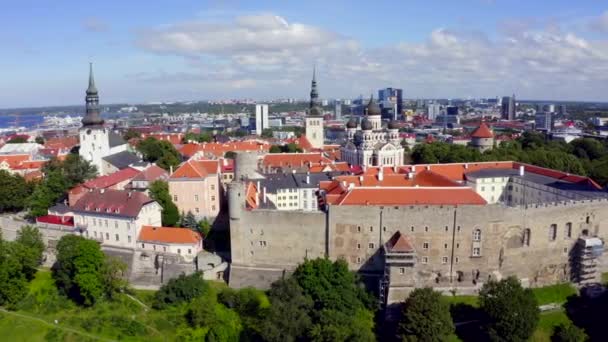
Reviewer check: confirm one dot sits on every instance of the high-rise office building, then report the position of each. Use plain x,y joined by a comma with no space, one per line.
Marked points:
544,121
561,110
451,110
338,109
433,110
391,102
261,118
508,108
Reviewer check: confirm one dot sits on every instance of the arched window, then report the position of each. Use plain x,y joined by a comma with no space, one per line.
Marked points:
526,239
477,235
568,230
552,232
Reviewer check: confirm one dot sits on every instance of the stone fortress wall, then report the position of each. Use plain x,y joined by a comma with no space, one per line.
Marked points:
442,236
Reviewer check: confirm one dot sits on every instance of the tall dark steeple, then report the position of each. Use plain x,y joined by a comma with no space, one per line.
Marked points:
315,105
92,116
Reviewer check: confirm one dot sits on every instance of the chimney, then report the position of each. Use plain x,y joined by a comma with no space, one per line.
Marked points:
351,186
308,178
344,184
102,190
521,170
129,194
258,186
361,179
413,168
381,174
395,169
411,174
466,165
170,170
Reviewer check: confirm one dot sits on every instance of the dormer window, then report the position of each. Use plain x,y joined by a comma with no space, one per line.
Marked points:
97,209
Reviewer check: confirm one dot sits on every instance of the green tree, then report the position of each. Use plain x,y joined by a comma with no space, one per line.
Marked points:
31,237
28,248
204,227
230,155
426,317
223,324
79,269
130,134
12,277
74,169
163,153
14,192
568,333
180,290
114,276
275,149
159,191
267,133
39,140
512,311
189,221
288,317
343,309
52,188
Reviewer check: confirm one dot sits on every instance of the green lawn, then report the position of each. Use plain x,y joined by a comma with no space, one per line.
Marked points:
553,294
20,329
548,322
469,300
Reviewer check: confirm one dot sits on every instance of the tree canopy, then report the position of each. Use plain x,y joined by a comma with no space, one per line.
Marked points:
14,191
159,191
161,152
83,273
426,317
512,311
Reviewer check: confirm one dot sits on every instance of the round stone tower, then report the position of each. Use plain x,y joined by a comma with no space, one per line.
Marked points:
482,138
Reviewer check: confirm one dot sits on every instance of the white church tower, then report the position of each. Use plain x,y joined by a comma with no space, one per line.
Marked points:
314,120
95,139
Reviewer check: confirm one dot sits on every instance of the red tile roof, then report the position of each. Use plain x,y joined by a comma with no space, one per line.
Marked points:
219,150
151,173
169,235
409,196
107,181
294,159
564,176
14,160
112,202
399,243
251,194
61,143
482,132
196,169
55,219
173,138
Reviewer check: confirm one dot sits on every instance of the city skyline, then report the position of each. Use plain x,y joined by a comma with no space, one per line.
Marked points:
223,49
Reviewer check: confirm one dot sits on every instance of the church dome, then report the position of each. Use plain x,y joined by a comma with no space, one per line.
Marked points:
373,108
352,123
393,124
366,125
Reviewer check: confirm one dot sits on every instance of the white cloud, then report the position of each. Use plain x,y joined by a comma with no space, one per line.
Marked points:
267,56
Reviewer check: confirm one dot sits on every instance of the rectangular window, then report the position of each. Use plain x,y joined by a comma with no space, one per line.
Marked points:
212,186
196,210
116,237
189,251
143,245
213,198
129,238
358,246
444,260
262,243
196,198
425,260
425,245
106,222
402,270
115,224
174,198
476,251
107,236
370,245
553,232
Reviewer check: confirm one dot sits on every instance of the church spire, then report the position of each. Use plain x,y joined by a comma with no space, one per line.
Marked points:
92,117
314,106
92,89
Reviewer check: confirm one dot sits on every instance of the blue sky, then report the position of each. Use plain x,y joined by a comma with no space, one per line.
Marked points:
187,50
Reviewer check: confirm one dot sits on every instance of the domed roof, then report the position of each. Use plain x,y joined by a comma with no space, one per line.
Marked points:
366,125
352,123
393,124
315,111
482,132
373,108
